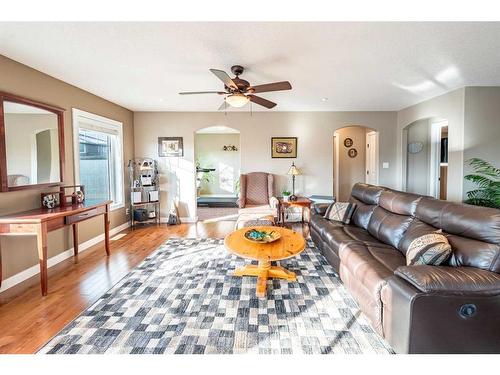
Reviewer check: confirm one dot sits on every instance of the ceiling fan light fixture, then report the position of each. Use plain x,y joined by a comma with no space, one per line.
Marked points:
237,100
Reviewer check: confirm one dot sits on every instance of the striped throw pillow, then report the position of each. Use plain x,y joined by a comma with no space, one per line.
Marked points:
431,249
340,211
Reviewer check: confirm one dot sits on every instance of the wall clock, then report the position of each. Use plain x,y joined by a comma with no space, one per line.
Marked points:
348,142
415,147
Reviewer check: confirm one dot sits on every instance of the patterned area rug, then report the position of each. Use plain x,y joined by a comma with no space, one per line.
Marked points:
184,299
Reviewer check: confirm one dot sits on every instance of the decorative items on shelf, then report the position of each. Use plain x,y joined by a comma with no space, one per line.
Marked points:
62,197
75,195
229,148
51,199
144,191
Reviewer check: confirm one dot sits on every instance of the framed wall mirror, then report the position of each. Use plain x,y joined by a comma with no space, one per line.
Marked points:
31,143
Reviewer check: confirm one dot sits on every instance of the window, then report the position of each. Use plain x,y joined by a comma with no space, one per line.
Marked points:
98,154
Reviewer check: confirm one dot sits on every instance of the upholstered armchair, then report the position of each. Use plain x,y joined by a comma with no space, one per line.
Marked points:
257,194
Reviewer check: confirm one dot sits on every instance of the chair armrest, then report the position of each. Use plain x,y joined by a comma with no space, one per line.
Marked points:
451,280
320,208
273,202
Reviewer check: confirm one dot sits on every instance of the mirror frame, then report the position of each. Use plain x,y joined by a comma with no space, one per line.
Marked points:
3,151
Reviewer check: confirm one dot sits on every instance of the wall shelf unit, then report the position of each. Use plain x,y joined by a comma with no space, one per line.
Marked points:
144,185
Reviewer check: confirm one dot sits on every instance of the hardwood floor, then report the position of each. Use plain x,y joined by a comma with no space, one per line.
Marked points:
28,320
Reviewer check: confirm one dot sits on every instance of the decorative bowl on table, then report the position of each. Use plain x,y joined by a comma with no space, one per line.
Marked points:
262,236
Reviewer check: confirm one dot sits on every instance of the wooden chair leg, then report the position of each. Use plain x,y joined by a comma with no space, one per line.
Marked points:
0,262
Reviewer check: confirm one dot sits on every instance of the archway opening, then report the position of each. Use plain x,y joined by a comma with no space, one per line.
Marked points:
425,157
356,159
217,161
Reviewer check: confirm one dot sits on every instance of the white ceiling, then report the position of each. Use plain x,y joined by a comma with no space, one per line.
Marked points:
357,66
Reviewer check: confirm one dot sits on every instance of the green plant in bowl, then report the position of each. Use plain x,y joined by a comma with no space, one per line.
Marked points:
264,236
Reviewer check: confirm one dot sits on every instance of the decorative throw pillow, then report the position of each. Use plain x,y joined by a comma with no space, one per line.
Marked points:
431,249
340,211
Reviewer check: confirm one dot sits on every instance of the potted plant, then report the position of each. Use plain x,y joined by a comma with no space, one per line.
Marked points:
286,195
486,177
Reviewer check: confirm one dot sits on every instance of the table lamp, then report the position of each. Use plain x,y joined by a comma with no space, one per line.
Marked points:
294,172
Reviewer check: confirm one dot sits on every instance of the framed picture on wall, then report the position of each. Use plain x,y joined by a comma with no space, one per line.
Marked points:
284,147
170,146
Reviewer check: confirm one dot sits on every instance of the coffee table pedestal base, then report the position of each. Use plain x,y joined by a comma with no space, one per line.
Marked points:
263,271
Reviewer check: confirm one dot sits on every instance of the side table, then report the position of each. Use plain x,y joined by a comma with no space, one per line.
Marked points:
303,202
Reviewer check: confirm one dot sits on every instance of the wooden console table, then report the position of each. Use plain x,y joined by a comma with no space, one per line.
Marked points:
40,221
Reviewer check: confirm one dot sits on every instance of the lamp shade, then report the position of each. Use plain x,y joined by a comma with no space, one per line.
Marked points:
237,100
293,170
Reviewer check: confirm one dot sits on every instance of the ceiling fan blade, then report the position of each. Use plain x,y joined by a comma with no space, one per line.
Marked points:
223,106
202,92
276,86
224,77
261,101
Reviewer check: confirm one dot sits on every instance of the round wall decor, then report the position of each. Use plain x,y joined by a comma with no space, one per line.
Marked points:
348,142
415,147
352,153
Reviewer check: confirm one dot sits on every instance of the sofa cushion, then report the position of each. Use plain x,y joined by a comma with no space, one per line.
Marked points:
431,249
480,223
388,227
365,193
416,229
451,280
364,275
340,211
474,231
399,202
323,226
340,235
362,213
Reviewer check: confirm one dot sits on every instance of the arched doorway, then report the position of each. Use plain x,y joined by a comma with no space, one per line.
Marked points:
425,157
356,159
217,163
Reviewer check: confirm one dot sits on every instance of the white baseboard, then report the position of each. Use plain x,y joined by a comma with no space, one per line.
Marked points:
182,219
32,271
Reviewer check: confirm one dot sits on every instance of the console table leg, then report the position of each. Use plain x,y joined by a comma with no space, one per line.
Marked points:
0,261
41,239
106,230
75,239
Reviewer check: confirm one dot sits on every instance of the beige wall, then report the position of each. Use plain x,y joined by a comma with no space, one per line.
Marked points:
315,147
450,107
17,254
210,154
350,170
482,127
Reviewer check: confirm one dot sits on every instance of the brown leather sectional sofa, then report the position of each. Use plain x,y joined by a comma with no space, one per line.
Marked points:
454,308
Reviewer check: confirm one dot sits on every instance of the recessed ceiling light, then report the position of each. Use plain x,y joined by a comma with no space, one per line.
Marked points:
324,99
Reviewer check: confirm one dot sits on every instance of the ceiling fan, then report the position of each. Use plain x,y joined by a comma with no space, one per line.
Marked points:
239,92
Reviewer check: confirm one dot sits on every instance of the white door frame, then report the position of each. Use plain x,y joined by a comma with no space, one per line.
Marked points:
336,165
375,155
435,157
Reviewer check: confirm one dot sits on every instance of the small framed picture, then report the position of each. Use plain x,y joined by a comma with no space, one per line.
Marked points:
348,142
284,147
170,147
352,153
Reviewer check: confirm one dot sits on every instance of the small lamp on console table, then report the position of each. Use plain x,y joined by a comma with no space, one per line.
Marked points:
293,171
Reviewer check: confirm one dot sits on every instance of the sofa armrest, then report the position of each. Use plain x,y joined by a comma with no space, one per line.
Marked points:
451,280
320,208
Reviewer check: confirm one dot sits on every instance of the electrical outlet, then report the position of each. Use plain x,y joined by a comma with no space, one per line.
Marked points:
127,211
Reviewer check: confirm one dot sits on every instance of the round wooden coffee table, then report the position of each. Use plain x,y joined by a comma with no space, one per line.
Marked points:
290,244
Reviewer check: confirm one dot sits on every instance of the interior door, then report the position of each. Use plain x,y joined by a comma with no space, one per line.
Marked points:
371,158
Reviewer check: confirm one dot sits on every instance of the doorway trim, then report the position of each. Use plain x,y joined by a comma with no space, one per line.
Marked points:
435,156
